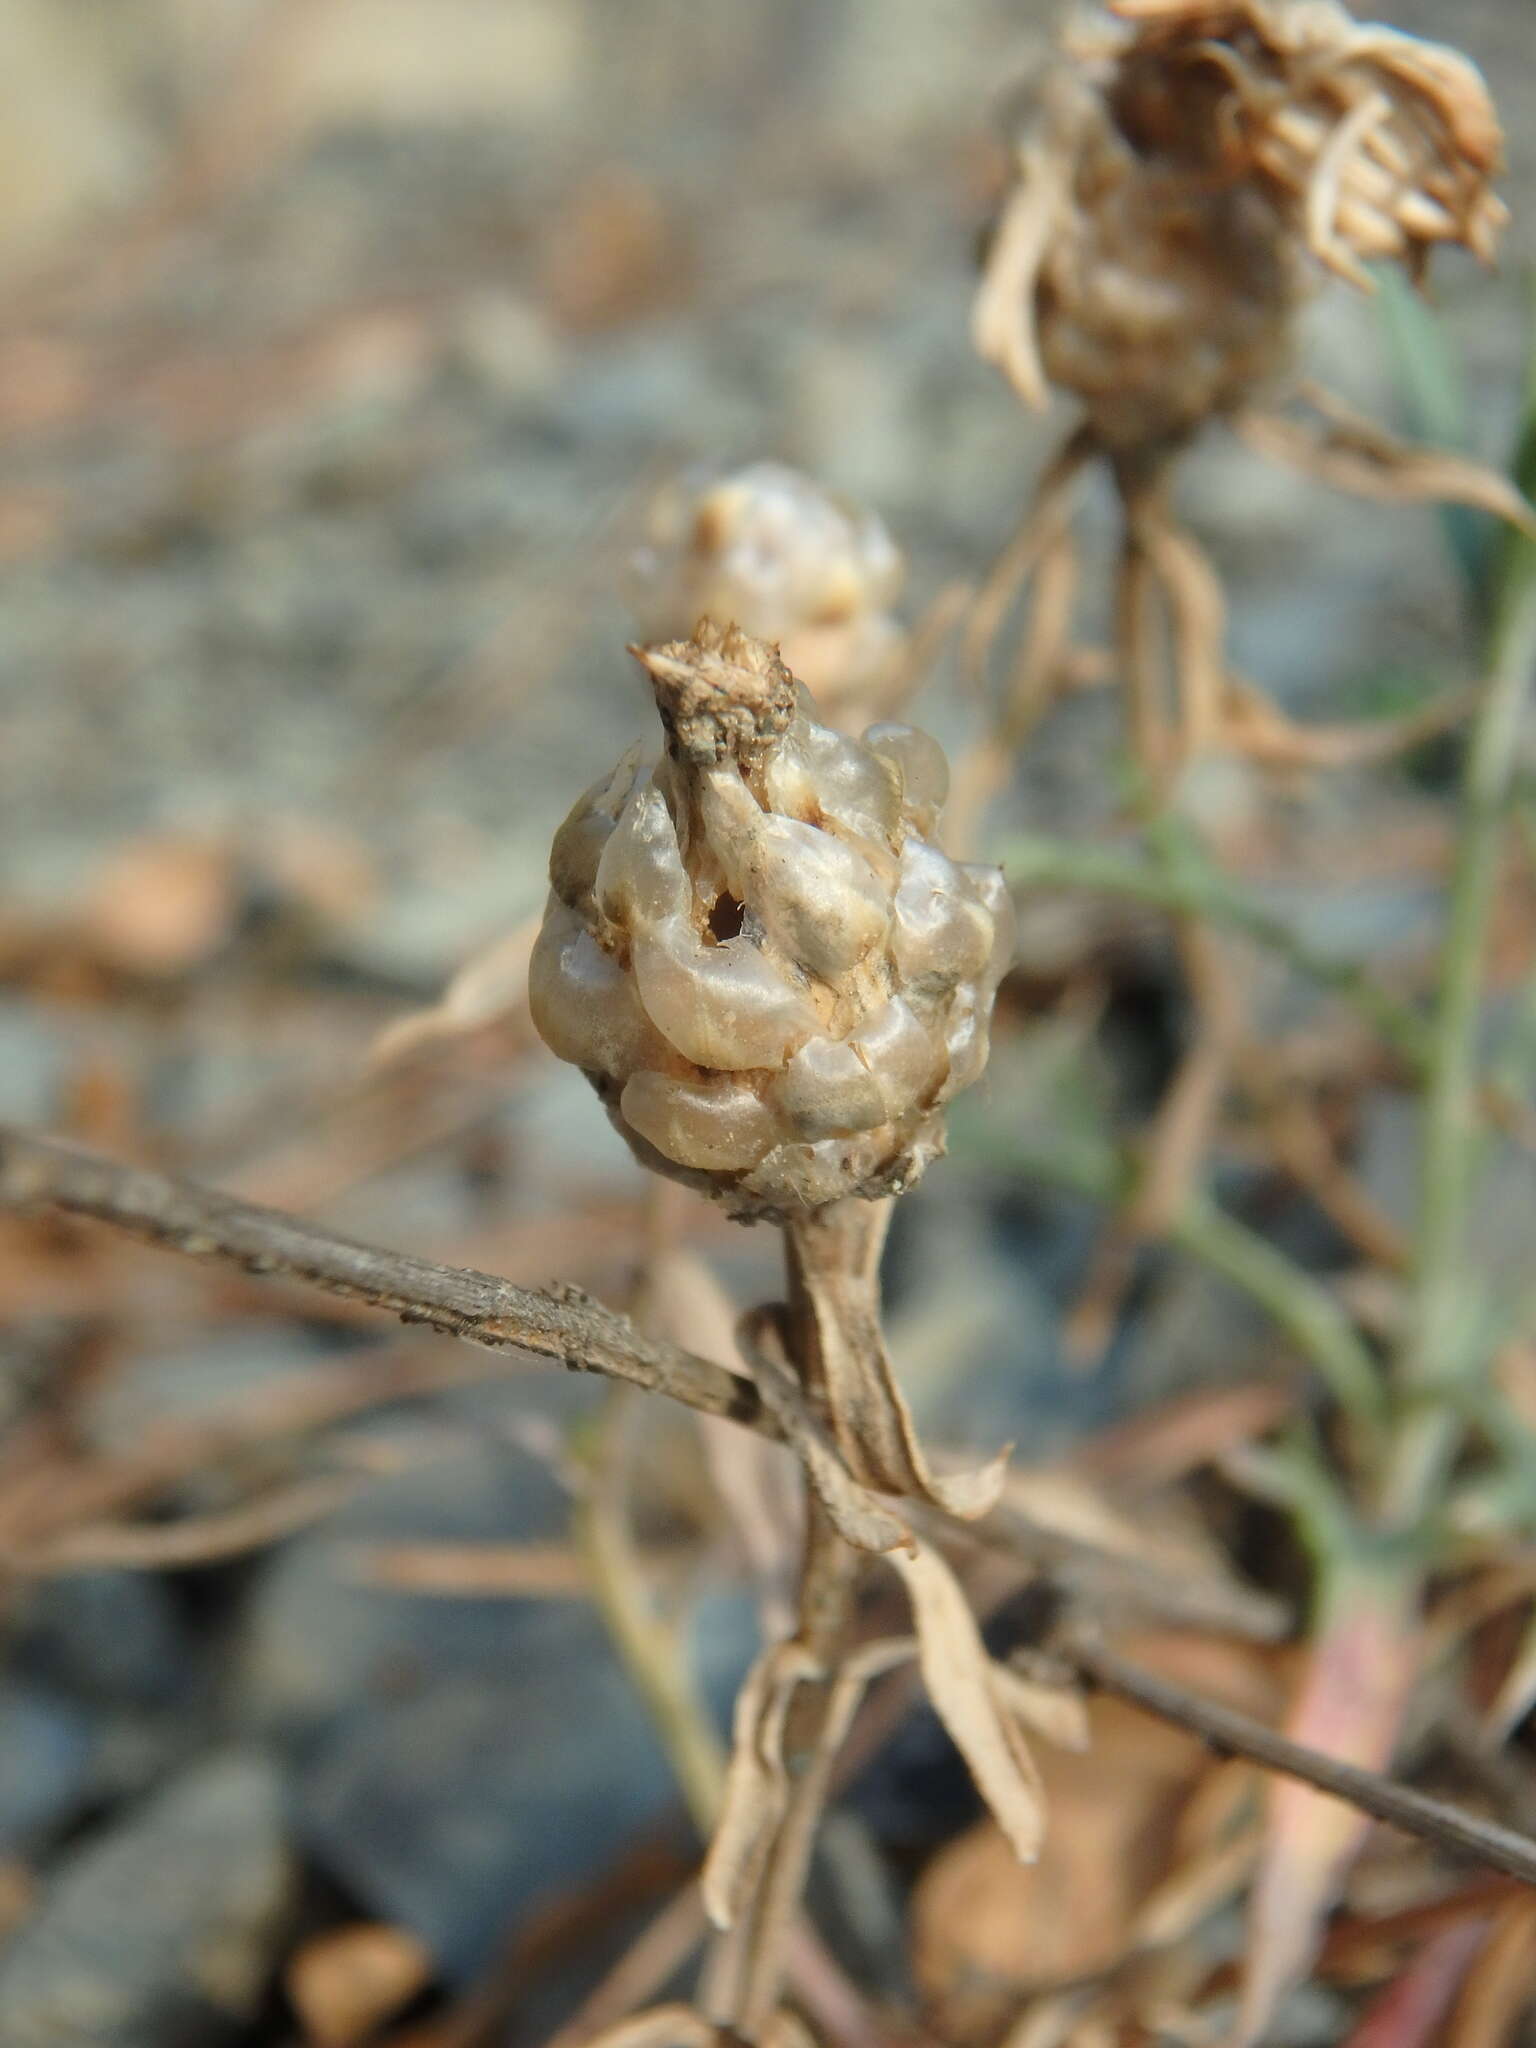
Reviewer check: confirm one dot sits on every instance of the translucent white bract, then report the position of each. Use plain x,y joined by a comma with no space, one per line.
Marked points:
770,973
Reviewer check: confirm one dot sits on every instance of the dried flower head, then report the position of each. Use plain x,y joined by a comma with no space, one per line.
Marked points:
771,975
769,550
1178,166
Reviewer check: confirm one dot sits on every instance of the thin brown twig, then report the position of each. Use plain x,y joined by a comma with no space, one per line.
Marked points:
181,1216
565,1324
1398,1806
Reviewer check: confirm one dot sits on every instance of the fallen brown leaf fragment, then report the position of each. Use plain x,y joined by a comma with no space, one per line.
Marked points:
344,1984
989,1932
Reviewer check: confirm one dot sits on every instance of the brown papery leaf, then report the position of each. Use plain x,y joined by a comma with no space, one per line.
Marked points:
1360,1674
756,1784
343,1984
1003,319
961,1683
1054,1711
757,1781
1146,1838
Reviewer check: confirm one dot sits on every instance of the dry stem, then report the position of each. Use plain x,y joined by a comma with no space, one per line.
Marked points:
830,1275
482,1310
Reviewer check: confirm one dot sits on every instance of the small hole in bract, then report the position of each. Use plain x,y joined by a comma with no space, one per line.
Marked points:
725,920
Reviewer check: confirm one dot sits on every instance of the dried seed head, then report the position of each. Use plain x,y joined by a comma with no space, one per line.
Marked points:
768,549
1181,165
771,975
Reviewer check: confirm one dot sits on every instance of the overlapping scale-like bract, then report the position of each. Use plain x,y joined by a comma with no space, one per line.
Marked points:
755,951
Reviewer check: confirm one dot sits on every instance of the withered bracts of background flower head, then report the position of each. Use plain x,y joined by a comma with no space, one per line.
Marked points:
1181,167
755,951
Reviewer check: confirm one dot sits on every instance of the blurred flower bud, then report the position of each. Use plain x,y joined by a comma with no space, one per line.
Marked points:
767,549
771,975
1182,166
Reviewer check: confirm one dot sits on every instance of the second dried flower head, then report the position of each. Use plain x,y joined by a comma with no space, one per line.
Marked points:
755,951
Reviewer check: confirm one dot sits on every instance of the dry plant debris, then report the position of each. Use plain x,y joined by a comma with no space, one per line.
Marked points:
780,985
1180,172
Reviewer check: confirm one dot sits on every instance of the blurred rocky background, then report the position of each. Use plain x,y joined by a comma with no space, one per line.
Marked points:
340,343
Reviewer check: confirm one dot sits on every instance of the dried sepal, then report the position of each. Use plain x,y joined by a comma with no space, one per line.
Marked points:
771,975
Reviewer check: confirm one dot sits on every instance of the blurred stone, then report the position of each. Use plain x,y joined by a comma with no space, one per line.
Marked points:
45,1742
457,1812
320,1646
505,341
521,1765
173,1384
116,1638
161,1931
386,61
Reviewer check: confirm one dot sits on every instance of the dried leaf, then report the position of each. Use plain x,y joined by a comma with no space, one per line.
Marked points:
489,989
756,1785
1002,319
988,1932
960,1680
1260,730
1360,1675
344,1984
1054,1711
